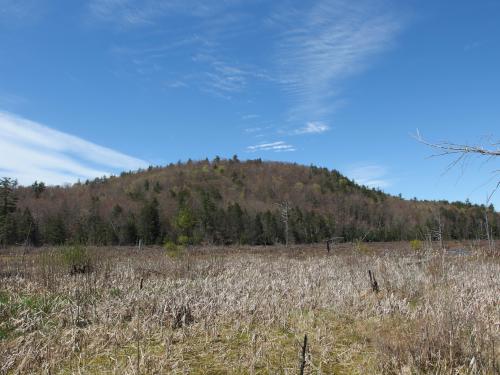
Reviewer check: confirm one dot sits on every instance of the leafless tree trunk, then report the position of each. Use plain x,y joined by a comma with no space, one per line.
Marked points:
284,208
440,232
489,232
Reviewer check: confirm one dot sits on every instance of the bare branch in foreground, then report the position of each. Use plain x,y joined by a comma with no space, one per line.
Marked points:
448,148
463,152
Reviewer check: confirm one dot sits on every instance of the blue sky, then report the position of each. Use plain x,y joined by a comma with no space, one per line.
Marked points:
99,86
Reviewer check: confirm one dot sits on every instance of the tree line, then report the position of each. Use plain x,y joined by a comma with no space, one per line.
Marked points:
226,202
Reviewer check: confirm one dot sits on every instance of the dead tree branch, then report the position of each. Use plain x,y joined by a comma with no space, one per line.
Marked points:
448,148
464,151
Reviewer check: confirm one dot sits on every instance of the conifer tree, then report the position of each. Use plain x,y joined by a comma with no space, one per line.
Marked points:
55,231
149,222
258,230
7,198
38,188
8,201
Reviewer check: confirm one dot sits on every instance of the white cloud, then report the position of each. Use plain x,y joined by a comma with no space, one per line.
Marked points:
201,41
325,44
313,127
313,46
224,79
31,151
369,175
279,146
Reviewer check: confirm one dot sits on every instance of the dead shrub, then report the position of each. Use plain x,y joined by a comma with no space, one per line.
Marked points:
182,316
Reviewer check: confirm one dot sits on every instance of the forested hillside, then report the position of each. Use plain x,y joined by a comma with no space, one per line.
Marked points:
227,202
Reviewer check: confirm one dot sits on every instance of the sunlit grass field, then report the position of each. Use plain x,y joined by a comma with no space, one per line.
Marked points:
210,310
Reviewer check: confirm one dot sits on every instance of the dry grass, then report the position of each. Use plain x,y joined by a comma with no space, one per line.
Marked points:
246,310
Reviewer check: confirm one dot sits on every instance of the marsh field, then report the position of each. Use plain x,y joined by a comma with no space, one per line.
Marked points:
246,310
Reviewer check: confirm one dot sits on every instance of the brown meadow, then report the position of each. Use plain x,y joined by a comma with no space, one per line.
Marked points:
245,310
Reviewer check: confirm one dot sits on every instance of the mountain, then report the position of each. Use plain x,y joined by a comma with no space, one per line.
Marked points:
230,202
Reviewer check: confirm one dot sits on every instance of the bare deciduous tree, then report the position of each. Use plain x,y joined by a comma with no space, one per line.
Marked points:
284,209
462,153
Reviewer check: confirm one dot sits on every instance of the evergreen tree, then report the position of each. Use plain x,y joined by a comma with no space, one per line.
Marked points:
80,233
38,188
258,231
184,220
235,223
129,231
270,228
185,223
297,227
157,187
149,222
208,217
55,231
8,230
8,201
7,198
28,229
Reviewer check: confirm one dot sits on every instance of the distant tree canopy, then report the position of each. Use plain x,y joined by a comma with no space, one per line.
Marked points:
226,202
38,188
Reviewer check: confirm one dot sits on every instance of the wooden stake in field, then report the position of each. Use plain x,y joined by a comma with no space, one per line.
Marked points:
303,359
333,241
138,356
373,281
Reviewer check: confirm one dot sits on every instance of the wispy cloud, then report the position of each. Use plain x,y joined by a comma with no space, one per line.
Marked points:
279,146
135,13
251,116
313,47
253,130
370,175
471,46
313,127
325,44
31,151
177,84
224,78
125,13
15,11
203,68
202,42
